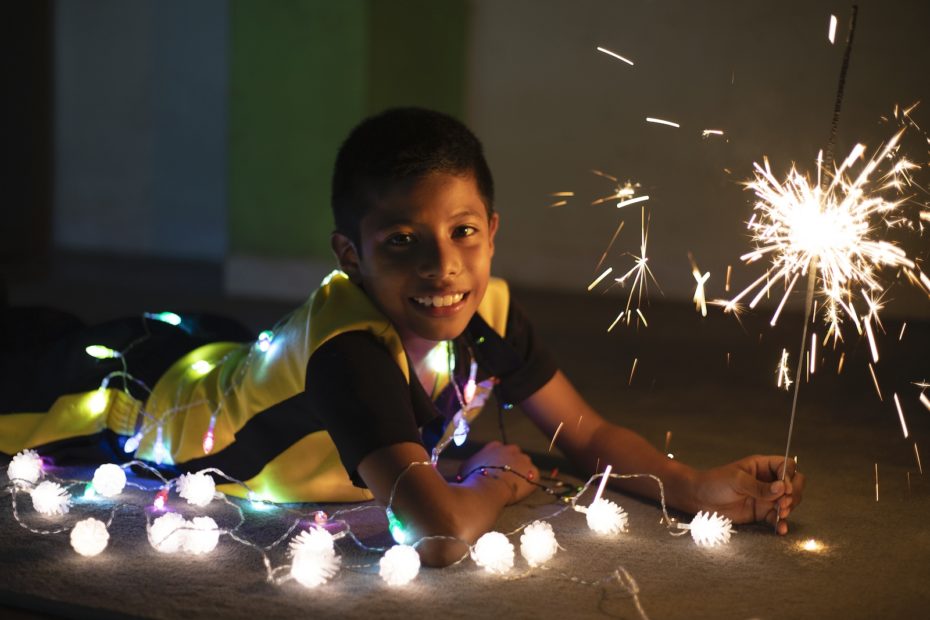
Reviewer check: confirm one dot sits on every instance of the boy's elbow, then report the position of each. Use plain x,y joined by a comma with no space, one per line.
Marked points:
442,552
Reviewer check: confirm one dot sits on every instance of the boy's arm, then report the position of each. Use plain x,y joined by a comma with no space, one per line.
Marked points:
427,505
744,491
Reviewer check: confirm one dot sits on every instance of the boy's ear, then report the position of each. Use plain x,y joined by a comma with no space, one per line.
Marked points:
493,224
346,254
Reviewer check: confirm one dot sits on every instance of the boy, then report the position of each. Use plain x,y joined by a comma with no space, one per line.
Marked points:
388,361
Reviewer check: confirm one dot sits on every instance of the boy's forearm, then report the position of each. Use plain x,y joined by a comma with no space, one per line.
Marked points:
629,453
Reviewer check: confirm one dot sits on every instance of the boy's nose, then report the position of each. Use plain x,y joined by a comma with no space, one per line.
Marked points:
440,261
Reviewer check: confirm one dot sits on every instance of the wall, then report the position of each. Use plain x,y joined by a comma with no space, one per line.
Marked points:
550,108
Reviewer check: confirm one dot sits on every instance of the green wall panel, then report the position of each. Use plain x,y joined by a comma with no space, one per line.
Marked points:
297,85
302,74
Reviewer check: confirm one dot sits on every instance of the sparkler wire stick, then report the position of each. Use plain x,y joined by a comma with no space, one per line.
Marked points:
812,276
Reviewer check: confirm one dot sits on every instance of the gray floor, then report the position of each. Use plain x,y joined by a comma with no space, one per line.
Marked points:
710,381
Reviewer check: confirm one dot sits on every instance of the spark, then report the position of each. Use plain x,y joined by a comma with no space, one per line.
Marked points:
555,435
903,327
831,34
925,401
668,441
632,371
711,132
875,381
839,368
631,201
813,354
615,55
897,403
825,230
925,216
660,121
641,275
560,194
621,191
700,303
782,371
812,545
726,287
600,277
876,482
560,203
917,456
609,245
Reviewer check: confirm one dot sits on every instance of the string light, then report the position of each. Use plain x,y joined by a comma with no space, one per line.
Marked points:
165,317
166,532
109,480
25,469
314,560
605,517
538,543
201,367
50,498
494,553
97,401
101,352
395,527
197,488
202,535
709,530
264,340
161,498
89,537
399,565
160,452
132,444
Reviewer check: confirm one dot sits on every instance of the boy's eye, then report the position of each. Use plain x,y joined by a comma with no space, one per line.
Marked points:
400,239
464,231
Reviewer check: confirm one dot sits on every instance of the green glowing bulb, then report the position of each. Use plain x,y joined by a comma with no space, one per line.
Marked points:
201,367
166,317
398,533
97,401
101,352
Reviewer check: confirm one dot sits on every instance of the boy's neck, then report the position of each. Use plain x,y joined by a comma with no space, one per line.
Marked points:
418,348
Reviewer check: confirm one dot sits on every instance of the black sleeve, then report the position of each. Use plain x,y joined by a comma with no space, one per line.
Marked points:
535,365
361,397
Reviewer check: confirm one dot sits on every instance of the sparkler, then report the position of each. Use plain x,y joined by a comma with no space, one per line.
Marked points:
641,274
660,121
700,303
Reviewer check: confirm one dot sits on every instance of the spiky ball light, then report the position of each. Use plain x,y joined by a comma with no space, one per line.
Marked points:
198,489
89,537
711,530
494,553
168,532
109,480
201,535
25,469
314,557
537,543
50,498
605,517
399,565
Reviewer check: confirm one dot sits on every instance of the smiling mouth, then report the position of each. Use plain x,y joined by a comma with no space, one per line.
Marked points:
440,301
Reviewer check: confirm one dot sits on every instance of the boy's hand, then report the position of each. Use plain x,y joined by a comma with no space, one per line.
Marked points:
497,454
751,489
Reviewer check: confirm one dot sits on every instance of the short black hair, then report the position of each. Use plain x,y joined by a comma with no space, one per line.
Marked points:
397,146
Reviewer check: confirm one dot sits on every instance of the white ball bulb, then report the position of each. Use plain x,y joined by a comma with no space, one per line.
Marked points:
168,532
494,553
25,468
50,498
89,537
606,517
314,557
198,489
109,480
711,530
399,565
201,536
537,543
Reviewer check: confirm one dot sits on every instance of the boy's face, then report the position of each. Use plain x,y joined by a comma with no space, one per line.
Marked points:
425,255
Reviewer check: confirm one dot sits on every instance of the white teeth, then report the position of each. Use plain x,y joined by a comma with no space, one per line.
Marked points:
440,301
